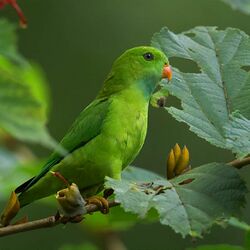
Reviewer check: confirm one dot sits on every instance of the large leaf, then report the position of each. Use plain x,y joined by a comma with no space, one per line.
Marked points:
190,203
210,98
23,93
117,218
242,5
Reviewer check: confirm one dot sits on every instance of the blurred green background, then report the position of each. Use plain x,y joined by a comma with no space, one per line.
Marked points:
75,42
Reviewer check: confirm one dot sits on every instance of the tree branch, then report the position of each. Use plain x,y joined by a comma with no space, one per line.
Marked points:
50,221
239,163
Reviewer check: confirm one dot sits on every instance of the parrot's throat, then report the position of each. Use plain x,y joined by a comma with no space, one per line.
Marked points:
148,86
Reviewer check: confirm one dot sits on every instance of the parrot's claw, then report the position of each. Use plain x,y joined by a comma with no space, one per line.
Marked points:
108,192
66,219
75,219
100,202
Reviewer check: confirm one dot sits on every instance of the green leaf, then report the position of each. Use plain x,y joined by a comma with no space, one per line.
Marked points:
117,218
217,247
24,98
190,203
243,226
237,132
241,5
210,98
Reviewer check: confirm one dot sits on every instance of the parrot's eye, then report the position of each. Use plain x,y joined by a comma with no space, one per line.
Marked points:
148,56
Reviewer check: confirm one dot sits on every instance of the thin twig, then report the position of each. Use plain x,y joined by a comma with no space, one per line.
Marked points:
239,163
50,221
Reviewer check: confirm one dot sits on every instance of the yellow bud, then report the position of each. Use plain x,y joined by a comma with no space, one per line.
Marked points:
171,164
10,210
177,152
183,161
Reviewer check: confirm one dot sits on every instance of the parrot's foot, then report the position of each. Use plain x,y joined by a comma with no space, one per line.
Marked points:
100,202
66,219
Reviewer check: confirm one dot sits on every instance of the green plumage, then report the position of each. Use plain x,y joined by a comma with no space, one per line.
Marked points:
109,133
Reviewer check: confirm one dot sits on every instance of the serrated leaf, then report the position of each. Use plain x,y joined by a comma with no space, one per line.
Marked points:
238,134
23,93
117,218
209,98
241,5
214,191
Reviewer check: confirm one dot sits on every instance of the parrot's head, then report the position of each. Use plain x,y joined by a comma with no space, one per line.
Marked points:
142,66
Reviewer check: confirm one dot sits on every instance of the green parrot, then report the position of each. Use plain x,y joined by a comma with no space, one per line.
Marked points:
109,132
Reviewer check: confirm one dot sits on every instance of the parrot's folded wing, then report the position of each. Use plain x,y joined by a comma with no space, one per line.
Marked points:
86,127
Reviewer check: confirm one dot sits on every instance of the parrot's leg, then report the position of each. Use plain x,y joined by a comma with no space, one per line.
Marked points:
100,202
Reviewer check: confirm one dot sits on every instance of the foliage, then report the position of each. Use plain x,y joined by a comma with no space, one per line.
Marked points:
118,219
214,101
190,203
24,100
241,5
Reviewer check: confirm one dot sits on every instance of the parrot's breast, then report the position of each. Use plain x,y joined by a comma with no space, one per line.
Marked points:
126,126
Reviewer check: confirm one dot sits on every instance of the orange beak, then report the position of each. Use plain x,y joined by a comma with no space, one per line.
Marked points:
167,72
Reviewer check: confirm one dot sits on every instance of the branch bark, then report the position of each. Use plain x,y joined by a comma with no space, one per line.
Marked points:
50,221
239,163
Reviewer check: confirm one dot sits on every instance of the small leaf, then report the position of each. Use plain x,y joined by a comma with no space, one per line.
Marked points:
210,98
117,218
216,191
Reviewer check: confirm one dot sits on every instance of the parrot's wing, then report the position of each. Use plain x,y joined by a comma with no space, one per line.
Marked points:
86,127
